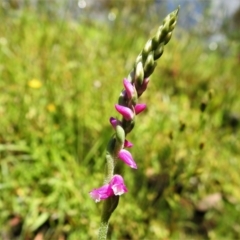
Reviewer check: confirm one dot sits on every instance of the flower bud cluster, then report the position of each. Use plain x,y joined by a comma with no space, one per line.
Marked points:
146,61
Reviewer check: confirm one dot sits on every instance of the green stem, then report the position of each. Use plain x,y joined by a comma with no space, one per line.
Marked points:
111,203
109,206
102,234
110,168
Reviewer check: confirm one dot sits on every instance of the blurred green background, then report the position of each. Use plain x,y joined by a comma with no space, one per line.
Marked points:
61,70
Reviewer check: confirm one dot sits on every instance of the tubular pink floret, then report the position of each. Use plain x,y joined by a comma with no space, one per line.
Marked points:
114,122
126,112
115,187
127,144
145,84
143,87
101,193
129,88
126,156
139,108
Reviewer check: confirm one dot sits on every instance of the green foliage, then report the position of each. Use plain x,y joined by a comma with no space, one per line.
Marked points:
59,81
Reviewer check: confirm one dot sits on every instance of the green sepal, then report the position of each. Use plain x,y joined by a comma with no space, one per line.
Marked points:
121,99
109,206
120,138
135,97
131,75
128,126
110,164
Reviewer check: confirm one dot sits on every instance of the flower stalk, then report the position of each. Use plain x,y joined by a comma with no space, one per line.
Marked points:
134,86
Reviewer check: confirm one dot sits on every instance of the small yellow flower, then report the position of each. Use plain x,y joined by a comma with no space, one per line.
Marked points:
35,83
51,107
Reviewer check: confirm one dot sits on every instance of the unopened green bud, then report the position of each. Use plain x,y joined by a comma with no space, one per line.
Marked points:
167,18
109,206
146,50
163,34
131,76
120,137
138,59
135,97
128,125
158,52
167,38
121,99
149,65
155,40
139,74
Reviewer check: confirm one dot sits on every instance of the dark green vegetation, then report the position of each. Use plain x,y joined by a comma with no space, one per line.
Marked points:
59,81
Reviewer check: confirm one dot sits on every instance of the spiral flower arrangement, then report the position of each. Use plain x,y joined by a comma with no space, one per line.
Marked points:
134,86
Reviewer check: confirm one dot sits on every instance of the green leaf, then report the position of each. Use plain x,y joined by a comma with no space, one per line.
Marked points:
41,219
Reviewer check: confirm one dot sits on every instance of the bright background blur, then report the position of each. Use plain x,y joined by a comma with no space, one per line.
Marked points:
61,69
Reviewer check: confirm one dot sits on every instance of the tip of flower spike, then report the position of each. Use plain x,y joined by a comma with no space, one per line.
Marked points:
177,10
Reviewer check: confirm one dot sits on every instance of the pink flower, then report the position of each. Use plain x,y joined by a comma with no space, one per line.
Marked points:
130,90
143,87
101,193
139,108
126,112
115,187
114,122
126,156
127,144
